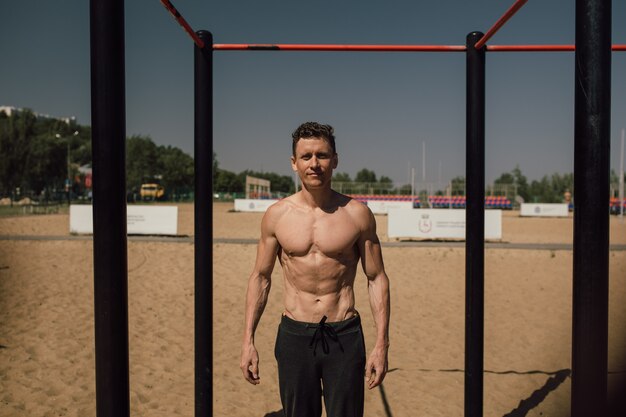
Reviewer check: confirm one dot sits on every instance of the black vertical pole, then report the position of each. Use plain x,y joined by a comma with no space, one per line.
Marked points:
591,218
203,228
108,122
475,226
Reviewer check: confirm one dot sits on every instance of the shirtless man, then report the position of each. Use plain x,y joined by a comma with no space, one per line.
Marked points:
319,236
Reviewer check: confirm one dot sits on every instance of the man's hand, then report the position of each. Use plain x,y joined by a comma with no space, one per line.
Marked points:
250,363
376,367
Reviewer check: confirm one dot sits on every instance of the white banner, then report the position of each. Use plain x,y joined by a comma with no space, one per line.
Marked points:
141,220
383,207
245,204
544,210
438,224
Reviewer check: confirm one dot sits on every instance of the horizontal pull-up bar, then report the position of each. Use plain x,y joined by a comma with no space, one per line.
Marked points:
395,48
380,48
542,48
357,48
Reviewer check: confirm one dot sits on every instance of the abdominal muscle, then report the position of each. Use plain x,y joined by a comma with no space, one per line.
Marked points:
317,286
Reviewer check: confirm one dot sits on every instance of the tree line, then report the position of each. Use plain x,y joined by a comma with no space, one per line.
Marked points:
169,166
36,151
229,183
549,189
40,154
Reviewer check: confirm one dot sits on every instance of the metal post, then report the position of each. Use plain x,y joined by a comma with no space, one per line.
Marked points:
69,180
621,180
413,186
203,229
475,226
591,218
108,122
424,161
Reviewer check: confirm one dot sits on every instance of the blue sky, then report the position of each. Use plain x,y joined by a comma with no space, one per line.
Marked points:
383,105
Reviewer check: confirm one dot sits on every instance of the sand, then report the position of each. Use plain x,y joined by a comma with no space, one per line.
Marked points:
46,322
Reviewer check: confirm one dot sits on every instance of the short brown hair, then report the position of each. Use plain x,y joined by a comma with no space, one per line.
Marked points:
313,130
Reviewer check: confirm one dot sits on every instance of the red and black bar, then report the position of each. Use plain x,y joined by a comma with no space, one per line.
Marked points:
496,26
395,48
355,48
543,48
181,21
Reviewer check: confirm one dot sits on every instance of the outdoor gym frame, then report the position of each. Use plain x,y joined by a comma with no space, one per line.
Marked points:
591,218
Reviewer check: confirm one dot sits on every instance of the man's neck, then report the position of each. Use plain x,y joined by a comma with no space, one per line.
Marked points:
318,198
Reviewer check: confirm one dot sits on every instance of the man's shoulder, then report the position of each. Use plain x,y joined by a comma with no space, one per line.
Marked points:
278,208
356,207
281,207
273,216
357,210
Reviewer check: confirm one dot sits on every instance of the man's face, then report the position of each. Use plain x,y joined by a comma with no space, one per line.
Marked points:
314,162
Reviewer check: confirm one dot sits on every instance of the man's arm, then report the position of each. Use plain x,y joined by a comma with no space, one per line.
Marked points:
378,288
256,297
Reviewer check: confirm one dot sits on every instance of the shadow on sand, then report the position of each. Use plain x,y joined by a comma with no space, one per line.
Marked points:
278,413
539,395
616,401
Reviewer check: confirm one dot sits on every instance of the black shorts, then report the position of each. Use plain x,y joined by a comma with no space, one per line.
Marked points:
321,359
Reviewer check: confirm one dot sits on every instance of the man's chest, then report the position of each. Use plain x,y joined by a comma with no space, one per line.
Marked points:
333,234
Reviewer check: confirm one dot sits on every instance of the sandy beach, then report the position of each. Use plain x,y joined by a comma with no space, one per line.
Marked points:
46,322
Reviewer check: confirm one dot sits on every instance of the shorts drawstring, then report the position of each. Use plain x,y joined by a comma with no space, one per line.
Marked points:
323,330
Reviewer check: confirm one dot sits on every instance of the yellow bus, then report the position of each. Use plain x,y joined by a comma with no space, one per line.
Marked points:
151,191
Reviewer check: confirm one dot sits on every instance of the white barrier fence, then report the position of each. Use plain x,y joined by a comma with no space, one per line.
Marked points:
438,224
141,220
248,204
544,210
383,207
377,207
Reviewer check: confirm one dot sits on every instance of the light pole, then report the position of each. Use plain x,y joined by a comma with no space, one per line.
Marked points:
68,180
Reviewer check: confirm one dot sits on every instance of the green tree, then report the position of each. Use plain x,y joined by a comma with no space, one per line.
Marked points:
517,180
142,161
403,190
16,134
505,185
365,175
215,166
458,186
46,164
341,177
550,189
385,184
35,152
228,182
540,191
176,169
506,178
561,184
521,182
80,145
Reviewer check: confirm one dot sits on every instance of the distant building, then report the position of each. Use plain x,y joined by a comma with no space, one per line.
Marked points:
9,110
